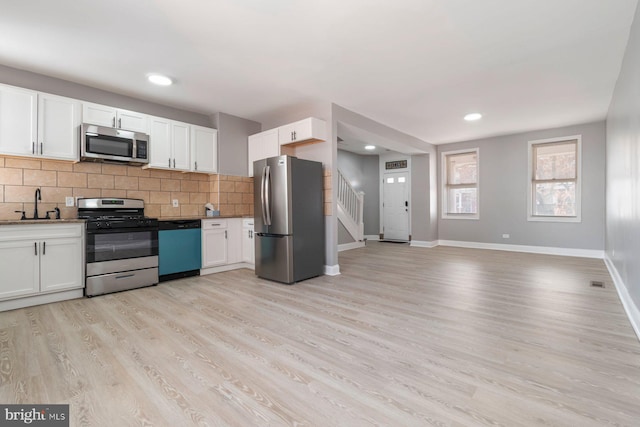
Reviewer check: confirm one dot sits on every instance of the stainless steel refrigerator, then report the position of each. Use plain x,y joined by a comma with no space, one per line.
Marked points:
289,219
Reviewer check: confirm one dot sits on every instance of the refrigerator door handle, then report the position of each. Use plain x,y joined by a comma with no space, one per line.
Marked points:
262,204
267,192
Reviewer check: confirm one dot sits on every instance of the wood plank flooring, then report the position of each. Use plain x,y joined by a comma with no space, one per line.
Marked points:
403,337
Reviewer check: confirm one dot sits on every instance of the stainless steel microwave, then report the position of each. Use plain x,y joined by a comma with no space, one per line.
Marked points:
100,143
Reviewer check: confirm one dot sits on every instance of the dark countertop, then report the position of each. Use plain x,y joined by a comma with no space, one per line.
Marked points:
177,218
40,221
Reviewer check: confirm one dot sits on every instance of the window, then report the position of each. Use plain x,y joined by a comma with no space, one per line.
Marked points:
554,173
460,184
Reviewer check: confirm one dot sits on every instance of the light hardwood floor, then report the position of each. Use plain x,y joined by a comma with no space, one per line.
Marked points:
404,337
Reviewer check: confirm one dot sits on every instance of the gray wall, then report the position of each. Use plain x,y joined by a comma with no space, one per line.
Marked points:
232,143
429,222
362,172
623,170
420,191
504,187
39,82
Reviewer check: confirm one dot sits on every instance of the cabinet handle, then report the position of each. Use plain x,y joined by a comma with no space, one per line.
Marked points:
120,123
294,135
169,161
44,248
33,147
225,234
174,163
196,165
113,122
35,248
292,138
41,148
215,225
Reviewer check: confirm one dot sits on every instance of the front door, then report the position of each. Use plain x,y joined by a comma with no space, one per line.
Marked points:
396,206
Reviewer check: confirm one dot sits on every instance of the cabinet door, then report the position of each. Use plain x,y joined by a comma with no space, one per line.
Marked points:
58,123
248,249
61,264
181,147
214,247
234,240
130,120
159,142
18,124
204,149
97,114
19,268
261,146
310,129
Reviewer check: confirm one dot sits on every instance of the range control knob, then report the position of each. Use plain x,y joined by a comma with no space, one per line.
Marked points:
107,224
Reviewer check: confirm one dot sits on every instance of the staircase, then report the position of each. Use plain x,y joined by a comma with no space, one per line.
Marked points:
350,207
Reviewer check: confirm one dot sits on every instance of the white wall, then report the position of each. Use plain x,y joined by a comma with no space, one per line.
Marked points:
623,177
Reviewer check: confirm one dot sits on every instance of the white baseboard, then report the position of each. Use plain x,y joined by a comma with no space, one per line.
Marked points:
372,237
633,312
583,253
423,244
229,267
352,245
332,270
40,299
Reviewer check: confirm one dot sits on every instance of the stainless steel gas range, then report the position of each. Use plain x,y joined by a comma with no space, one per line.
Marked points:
121,245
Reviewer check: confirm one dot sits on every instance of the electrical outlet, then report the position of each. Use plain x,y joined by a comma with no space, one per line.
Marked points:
69,201
175,203
506,236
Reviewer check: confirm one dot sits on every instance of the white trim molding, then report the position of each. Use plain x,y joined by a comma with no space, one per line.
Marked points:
423,244
633,312
348,246
332,270
372,237
530,174
583,253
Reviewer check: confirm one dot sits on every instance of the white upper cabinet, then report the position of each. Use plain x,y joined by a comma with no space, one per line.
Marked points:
103,115
306,130
58,121
169,145
204,149
181,146
36,124
261,146
18,120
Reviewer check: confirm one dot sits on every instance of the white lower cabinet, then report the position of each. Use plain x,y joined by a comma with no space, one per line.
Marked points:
214,242
223,245
40,259
248,243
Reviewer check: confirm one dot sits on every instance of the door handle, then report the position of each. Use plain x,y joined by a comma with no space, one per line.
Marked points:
174,162
120,123
262,203
35,248
41,148
44,248
267,191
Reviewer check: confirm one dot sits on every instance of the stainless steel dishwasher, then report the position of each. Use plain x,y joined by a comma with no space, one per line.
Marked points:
180,249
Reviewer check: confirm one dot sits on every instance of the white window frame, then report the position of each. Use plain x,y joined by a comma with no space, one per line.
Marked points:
531,181
443,186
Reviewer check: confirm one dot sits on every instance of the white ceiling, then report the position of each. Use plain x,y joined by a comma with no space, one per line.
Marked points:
414,65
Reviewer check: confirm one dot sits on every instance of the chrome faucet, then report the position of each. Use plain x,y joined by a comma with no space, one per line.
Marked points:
35,210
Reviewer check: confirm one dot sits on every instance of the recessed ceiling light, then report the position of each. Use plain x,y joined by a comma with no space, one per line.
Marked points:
159,79
369,147
473,116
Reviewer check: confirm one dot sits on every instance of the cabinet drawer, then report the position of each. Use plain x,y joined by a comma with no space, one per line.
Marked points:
213,224
247,223
39,231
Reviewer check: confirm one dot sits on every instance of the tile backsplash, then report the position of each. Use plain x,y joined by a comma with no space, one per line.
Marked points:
19,179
